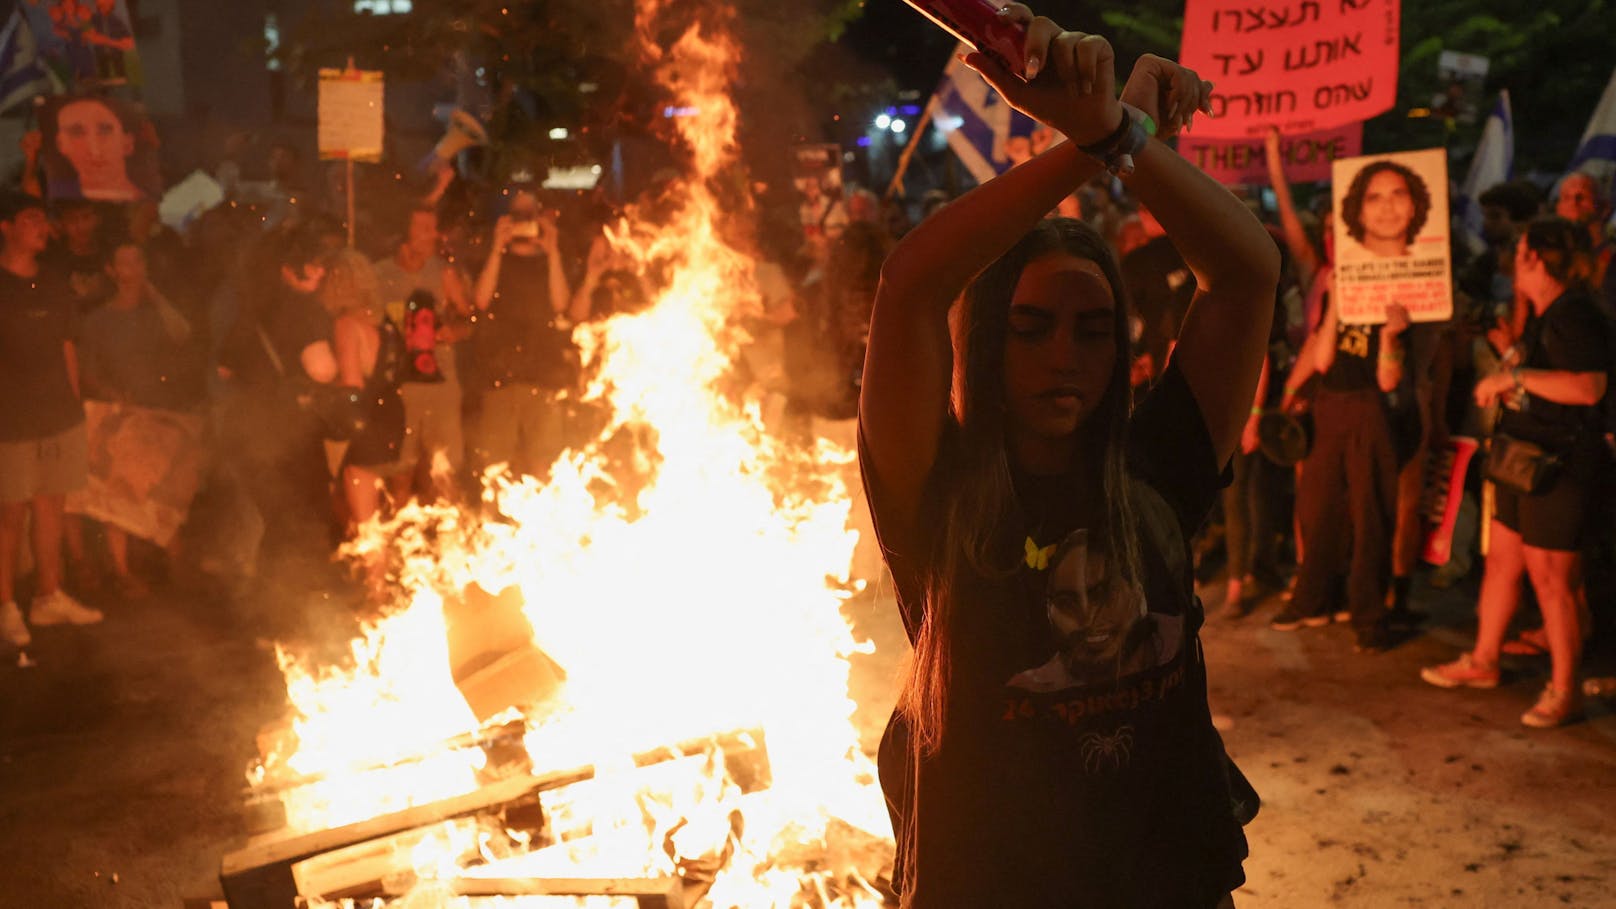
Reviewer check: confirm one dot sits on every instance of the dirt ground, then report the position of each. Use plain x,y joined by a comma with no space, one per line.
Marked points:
122,752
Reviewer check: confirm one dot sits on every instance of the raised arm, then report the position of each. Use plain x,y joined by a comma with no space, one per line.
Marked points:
903,404
1236,265
1307,258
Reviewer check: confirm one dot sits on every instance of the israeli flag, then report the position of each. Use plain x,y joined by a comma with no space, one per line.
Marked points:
976,121
1493,164
22,76
1596,153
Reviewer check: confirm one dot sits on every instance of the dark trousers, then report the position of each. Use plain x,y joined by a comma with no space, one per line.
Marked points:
1347,505
1250,519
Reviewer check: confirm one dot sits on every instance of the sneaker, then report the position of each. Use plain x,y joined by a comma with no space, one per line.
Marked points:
12,627
1554,707
1290,620
59,608
1461,673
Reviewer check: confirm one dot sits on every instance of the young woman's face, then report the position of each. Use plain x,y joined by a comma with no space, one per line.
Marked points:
92,139
1061,346
1388,207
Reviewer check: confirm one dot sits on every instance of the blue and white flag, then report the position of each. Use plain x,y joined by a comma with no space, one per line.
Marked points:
1494,163
1596,153
977,122
22,76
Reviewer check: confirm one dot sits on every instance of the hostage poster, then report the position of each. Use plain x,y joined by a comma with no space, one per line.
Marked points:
145,467
84,42
1391,236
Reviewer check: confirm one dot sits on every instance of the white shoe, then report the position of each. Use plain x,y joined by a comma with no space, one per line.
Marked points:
59,608
12,627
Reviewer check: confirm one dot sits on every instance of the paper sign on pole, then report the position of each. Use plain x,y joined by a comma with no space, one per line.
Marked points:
1391,237
1307,157
351,108
1301,65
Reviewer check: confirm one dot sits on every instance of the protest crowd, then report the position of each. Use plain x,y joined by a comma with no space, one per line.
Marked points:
200,398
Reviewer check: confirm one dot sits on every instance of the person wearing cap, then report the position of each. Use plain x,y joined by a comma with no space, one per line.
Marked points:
43,450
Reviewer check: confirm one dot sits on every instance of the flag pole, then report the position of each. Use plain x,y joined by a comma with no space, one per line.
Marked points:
896,186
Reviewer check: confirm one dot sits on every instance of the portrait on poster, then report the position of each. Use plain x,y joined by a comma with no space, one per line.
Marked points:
100,148
1392,236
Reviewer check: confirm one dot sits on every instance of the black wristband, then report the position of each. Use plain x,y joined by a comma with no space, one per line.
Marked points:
1116,151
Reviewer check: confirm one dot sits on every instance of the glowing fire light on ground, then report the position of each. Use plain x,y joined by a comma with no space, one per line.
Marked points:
690,602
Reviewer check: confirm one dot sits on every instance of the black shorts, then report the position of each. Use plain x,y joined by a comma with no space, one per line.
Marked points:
1553,519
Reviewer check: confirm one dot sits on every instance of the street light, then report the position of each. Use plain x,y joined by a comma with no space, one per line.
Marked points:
899,126
882,121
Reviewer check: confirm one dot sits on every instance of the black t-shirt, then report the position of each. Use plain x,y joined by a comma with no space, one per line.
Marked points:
1075,769
86,275
1569,336
519,339
1357,349
297,321
36,393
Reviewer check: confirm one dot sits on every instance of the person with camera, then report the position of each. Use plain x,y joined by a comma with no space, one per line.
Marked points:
1543,461
523,341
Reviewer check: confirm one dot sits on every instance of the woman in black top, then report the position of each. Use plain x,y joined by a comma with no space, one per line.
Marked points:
1552,400
1054,746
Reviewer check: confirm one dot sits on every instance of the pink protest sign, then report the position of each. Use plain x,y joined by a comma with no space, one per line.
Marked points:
1300,65
1307,157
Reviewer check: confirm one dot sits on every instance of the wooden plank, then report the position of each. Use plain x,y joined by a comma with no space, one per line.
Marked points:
260,876
650,893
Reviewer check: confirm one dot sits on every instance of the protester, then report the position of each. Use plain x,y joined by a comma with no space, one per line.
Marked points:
523,340
1551,401
370,358
43,453
81,253
433,399
130,353
1581,202
1039,565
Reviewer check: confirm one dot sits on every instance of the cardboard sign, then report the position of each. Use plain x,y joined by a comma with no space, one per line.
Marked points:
145,468
1307,158
84,43
817,175
351,109
1391,237
1301,65
98,147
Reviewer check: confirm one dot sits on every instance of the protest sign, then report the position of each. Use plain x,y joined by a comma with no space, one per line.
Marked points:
99,148
1307,157
1391,237
145,467
351,115
817,175
84,43
1300,65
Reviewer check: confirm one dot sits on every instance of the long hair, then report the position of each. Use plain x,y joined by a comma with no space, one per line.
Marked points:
350,287
981,507
1352,202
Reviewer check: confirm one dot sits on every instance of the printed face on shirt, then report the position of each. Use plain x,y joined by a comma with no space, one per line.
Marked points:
1061,346
1388,209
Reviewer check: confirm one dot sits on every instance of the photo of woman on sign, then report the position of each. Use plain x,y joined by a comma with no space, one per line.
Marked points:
98,148
1385,208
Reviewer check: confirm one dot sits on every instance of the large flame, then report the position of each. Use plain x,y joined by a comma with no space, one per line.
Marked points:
699,599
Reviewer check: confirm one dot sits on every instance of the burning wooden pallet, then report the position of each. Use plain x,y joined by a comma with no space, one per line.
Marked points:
353,860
